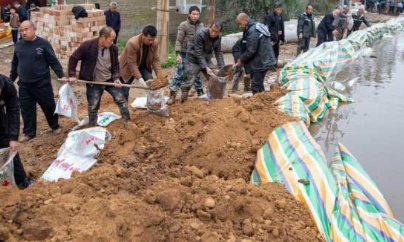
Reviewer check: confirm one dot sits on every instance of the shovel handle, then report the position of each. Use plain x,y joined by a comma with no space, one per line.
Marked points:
106,84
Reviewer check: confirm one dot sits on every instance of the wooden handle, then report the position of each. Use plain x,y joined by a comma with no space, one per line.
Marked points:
106,84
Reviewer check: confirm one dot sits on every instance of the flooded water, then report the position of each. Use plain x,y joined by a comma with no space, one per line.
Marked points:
373,127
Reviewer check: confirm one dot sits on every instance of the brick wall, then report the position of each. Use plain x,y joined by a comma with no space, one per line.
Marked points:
136,14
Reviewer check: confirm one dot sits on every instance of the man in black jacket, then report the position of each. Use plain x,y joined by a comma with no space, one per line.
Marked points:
358,19
199,56
257,55
10,128
276,27
99,62
32,57
113,19
326,30
306,29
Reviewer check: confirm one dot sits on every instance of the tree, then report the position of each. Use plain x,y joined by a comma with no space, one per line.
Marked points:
257,9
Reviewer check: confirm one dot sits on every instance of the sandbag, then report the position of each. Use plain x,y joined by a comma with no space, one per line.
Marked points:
6,167
157,103
78,153
216,87
67,103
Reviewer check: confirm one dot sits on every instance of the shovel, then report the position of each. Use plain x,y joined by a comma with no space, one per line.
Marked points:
106,84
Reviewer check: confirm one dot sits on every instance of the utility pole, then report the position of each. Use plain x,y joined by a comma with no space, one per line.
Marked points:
210,12
163,15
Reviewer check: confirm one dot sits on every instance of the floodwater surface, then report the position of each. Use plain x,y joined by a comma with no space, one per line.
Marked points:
373,127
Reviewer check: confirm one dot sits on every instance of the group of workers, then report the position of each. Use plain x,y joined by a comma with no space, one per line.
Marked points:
256,53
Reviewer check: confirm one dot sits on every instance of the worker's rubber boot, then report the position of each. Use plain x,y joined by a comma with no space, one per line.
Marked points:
184,94
247,84
200,93
92,120
173,95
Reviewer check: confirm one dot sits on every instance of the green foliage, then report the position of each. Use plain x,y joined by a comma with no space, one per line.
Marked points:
121,44
172,59
258,9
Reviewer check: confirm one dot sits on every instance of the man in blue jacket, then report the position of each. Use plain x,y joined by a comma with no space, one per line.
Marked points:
113,19
22,12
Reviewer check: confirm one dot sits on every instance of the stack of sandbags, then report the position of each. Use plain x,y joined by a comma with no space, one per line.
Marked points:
59,26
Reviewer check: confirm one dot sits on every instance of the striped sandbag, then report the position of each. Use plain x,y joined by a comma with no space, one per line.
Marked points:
291,156
307,76
361,212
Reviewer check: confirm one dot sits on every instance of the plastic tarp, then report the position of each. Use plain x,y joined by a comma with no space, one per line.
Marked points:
308,77
78,153
343,201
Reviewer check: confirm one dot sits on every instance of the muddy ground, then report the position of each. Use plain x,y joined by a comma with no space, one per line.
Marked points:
182,178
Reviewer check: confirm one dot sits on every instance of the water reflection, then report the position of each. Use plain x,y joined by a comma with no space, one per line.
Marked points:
372,128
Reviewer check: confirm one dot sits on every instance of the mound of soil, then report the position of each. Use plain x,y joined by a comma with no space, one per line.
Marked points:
182,178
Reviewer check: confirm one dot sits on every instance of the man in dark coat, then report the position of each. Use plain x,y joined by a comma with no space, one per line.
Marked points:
21,10
257,55
99,62
32,58
199,56
358,19
306,29
326,30
113,19
276,27
10,128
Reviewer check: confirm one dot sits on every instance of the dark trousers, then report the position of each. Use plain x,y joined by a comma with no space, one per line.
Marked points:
179,76
324,36
303,45
116,38
94,94
15,35
19,172
30,95
257,81
146,75
276,48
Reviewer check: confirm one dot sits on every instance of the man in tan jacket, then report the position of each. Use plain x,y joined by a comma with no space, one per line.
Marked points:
139,58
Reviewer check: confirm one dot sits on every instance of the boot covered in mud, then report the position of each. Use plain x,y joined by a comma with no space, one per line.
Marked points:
125,113
184,94
173,95
247,84
92,118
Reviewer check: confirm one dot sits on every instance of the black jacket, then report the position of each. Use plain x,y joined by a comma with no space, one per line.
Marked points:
9,111
358,22
87,53
257,54
326,24
79,12
202,48
113,20
5,14
271,20
22,13
306,25
31,61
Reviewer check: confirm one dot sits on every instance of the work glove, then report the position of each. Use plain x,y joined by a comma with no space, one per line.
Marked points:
142,82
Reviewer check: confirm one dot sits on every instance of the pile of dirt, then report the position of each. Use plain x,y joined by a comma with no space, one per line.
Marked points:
160,81
182,178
